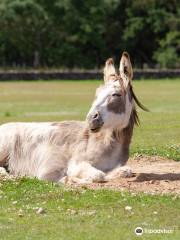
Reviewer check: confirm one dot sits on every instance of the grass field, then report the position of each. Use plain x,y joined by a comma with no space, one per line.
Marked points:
82,213
158,134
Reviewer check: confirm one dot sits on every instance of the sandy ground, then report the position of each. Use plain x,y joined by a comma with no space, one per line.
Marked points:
153,175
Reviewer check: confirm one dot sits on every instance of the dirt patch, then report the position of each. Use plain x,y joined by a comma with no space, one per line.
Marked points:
153,175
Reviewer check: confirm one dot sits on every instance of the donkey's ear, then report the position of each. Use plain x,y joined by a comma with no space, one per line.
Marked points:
109,71
125,68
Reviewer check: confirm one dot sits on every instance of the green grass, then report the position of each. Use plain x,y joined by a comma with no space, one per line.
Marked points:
82,213
159,133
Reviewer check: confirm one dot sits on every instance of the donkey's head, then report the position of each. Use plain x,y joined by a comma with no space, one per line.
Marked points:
114,101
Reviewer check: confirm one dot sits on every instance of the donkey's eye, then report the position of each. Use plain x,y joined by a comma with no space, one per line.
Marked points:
116,95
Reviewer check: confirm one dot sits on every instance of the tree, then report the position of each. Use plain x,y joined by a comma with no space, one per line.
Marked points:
23,27
78,33
147,24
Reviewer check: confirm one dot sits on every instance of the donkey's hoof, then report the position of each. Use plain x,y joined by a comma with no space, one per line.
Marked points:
122,172
98,177
126,172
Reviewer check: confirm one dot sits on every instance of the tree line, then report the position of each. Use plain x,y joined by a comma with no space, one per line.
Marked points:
83,33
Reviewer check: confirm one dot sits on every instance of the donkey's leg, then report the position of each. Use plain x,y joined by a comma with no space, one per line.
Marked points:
84,172
119,172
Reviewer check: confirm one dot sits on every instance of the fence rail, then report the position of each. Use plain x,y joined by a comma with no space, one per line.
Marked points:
6,75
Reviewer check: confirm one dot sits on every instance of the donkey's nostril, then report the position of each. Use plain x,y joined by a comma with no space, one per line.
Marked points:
96,116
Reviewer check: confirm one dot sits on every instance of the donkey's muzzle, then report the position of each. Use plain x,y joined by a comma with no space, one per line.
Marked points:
95,122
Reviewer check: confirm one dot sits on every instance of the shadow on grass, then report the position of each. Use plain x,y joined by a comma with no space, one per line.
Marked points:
155,176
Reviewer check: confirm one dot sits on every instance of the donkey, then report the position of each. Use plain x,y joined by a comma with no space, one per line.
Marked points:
91,151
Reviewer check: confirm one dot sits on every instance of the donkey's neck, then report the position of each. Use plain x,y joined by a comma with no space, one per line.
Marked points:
105,137
111,146
124,135
107,149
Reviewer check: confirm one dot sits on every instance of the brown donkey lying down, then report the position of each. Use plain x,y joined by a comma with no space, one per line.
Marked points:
90,151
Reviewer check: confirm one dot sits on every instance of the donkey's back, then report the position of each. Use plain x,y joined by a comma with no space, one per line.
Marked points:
31,148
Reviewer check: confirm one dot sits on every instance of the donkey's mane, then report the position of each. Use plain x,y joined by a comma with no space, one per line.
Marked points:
127,132
134,118
137,101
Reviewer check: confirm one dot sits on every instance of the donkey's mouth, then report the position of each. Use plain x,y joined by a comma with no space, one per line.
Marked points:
94,130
